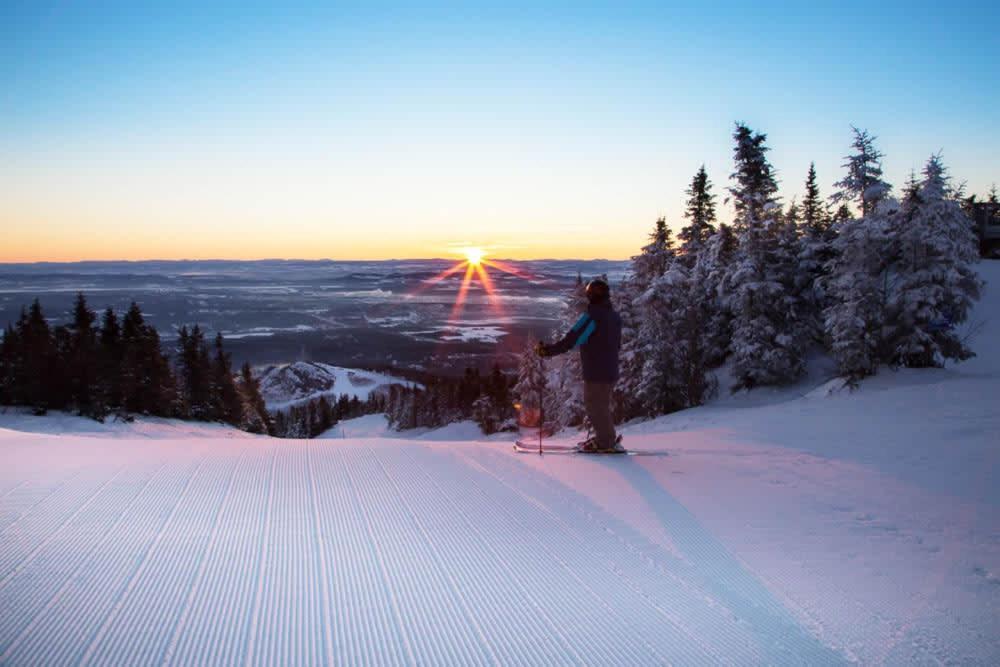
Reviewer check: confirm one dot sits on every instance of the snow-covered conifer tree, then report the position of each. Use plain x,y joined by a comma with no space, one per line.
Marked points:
863,182
710,281
530,388
564,400
638,334
700,214
766,343
816,252
934,282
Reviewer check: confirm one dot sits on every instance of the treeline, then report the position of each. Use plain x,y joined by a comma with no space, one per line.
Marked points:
442,400
321,414
118,367
871,279
430,402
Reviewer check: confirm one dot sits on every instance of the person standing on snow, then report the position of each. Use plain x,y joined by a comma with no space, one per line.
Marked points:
598,334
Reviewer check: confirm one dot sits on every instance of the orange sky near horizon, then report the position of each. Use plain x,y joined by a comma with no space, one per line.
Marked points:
41,241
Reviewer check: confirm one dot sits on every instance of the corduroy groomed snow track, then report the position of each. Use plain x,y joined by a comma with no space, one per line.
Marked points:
377,552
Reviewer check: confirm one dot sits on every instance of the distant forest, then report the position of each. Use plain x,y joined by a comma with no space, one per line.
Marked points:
117,368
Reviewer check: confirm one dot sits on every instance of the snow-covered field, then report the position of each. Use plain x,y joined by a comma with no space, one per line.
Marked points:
784,527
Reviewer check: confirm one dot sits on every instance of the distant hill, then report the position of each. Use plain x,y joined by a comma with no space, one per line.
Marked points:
284,385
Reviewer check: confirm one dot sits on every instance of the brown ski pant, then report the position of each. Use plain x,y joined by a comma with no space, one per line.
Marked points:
597,402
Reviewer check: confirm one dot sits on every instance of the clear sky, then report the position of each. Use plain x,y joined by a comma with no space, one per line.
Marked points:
138,130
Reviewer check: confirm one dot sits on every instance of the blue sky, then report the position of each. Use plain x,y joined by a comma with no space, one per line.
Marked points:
388,130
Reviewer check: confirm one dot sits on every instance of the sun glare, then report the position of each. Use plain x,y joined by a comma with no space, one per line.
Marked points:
474,256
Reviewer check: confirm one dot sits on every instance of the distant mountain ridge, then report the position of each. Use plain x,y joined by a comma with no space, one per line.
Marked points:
285,385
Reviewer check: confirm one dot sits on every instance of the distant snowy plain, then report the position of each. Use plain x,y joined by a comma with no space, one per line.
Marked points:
809,525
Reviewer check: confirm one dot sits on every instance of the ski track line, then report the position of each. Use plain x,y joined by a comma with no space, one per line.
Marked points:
53,491
775,626
88,548
84,591
138,572
13,489
182,620
52,535
571,601
720,573
362,611
501,590
442,635
702,612
498,615
691,603
442,567
141,629
380,560
325,609
291,605
616,604
248,658
218,627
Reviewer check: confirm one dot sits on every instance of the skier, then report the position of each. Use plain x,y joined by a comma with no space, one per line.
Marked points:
598,334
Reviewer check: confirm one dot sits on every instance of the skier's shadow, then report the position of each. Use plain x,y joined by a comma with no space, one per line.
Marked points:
717,571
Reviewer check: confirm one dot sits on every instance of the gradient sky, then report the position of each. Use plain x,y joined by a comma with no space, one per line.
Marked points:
133,131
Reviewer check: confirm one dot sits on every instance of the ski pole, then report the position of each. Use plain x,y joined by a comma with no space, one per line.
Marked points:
541,410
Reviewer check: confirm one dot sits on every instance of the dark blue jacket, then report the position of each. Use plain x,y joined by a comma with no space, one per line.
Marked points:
598,334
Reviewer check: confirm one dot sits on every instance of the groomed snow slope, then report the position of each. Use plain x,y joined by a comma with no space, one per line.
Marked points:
807,529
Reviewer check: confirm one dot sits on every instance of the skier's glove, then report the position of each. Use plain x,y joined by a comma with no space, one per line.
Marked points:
541,349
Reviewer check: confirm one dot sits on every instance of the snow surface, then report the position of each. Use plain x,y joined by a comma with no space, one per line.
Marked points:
811,525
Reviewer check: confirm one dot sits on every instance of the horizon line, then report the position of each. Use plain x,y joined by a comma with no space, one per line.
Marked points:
301,259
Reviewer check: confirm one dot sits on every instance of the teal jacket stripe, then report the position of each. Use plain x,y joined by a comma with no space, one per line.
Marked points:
586,333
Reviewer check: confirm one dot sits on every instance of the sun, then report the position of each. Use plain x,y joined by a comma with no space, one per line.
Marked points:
473,255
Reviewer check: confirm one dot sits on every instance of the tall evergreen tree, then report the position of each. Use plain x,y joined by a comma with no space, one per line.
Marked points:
38,373
110,361
863,182
195,371
564,400
227,404
83,361
858,288
766,343
530,388
712,287
815,219
700,214
256,418
935,282
638,333
815,254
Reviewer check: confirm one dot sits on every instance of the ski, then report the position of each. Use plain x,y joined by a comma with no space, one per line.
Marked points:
532,448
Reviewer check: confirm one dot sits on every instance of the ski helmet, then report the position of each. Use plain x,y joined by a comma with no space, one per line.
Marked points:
598,291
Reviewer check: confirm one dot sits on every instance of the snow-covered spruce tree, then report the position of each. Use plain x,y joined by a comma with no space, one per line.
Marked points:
712,287
858,280
564,400
529,390
625,392
256,418
863,182
227,402
766,345
934,283
815,254
700,214
82,361
639,335
659,389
